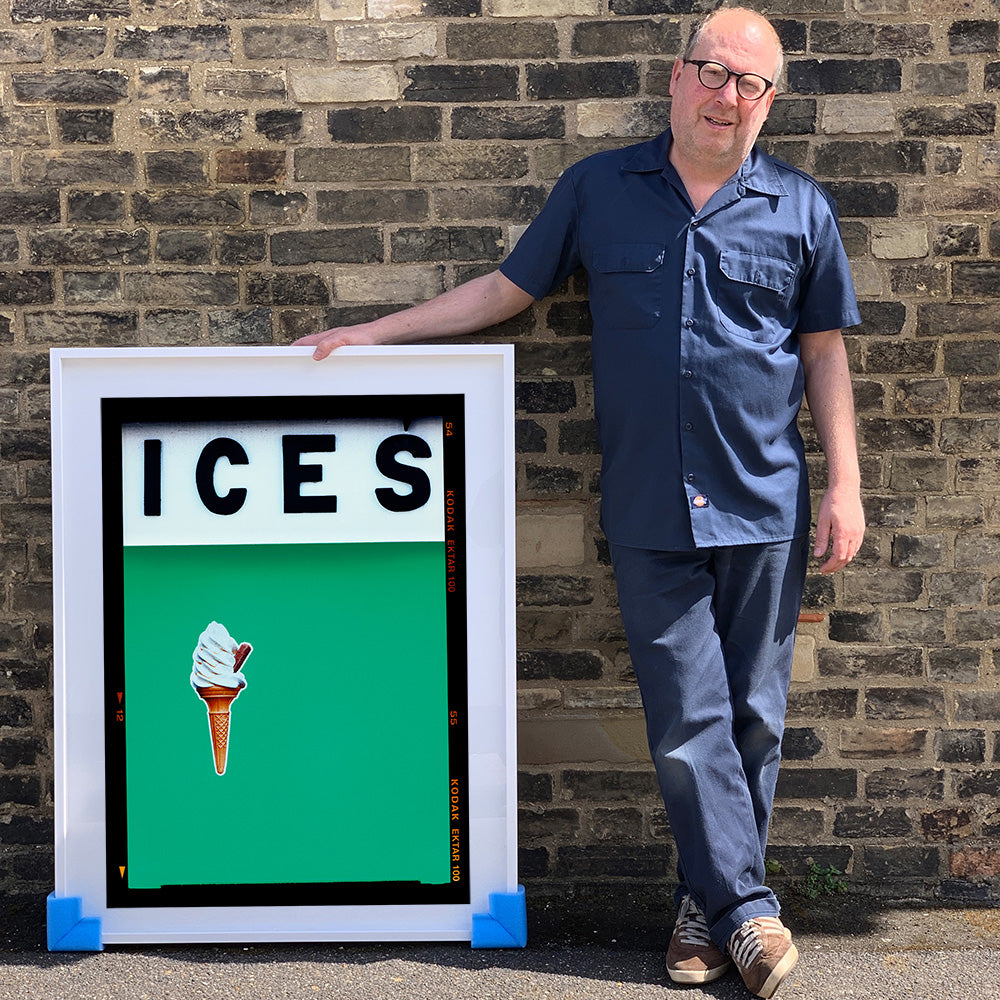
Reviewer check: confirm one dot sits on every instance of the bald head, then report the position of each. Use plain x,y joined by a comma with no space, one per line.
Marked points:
743,17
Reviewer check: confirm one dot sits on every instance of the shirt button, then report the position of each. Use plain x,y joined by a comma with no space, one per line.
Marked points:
689,323
690,477
688,373
690,272
688,426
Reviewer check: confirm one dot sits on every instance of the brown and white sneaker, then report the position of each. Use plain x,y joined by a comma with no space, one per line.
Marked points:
692,956
763,952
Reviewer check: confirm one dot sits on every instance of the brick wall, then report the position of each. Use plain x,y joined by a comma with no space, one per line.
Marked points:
221,171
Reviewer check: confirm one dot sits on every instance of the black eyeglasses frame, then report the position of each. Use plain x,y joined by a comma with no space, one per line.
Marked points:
739,76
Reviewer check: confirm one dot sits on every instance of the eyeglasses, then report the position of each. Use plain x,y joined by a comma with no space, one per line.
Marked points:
714,76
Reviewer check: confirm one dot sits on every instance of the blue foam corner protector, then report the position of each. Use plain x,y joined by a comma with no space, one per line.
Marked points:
506,925
67,929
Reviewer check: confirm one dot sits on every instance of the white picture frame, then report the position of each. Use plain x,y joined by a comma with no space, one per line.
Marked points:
99,397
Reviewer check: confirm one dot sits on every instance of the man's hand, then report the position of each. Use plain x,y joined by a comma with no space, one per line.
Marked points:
840,529
340,336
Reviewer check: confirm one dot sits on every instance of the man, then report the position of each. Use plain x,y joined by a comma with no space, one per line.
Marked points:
718,286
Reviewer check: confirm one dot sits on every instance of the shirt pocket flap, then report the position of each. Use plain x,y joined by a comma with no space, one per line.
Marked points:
637,257
756,269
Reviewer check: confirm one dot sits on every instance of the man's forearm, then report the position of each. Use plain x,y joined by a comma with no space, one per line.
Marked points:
477,304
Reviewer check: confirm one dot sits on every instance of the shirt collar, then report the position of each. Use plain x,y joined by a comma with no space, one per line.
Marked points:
757,173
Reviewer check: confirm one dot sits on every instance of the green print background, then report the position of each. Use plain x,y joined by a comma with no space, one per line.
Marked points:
338,748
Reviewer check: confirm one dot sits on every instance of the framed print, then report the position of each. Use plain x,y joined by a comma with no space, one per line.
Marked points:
284,693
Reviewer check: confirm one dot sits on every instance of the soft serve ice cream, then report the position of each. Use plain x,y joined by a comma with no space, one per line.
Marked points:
215,659
218,680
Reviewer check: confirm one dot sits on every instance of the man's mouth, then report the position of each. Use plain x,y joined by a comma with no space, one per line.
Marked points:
717,121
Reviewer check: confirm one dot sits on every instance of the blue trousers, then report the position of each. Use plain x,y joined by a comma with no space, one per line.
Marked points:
710,635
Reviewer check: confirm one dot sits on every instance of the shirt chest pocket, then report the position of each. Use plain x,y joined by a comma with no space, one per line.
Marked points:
753,295
626,285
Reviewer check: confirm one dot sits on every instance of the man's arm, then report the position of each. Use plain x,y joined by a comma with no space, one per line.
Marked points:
479,303
841,520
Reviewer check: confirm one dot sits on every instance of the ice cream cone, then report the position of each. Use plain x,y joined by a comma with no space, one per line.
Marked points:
217,700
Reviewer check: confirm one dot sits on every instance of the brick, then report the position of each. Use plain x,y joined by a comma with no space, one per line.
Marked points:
857,114
280,289
844,76
865,662
433,243
856,626
344,84
385,42
67,10
472,161
609,786
919,396
571,81
936,320
245,85
239,326
279,208
168,288
461,84
196,43
73,44
625,38
900,783
91,167
959,119
976,279
954,512
516,203
864,198
529,437
182,208
336,246
242,248
534,787
619,825
620,118
602,698
865,821
967,37
829,703
29,207
614,861
816,783
559,664
951,589
276,41
24,128
226,10
552,480
545,396
550,540
960,746
975,863
942,79
193,126
375,163
163,85
393,124
852,37
175,168
517,40
947,158
975,475
905,703
70,87
405,205
89,246
869,742
977,706
805,743
900,862
904,39
545,8
26,288
170,326
532,825
90,125
969,785
956,241
250,166
917,550
279,124
392,283
945,824
508,123
180,246
554,590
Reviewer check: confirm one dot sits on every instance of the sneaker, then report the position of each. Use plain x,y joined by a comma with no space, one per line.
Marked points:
763,951
692,956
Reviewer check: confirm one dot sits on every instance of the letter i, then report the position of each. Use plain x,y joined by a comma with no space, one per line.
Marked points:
152,452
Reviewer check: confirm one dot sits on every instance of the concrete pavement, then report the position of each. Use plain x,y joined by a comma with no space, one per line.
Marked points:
853,950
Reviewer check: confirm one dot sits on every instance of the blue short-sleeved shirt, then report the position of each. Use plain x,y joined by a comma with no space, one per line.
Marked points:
697,315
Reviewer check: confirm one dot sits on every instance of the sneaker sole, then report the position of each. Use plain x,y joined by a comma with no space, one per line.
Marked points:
779,972
690,977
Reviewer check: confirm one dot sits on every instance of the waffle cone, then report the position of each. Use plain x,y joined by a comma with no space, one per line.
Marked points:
217,700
